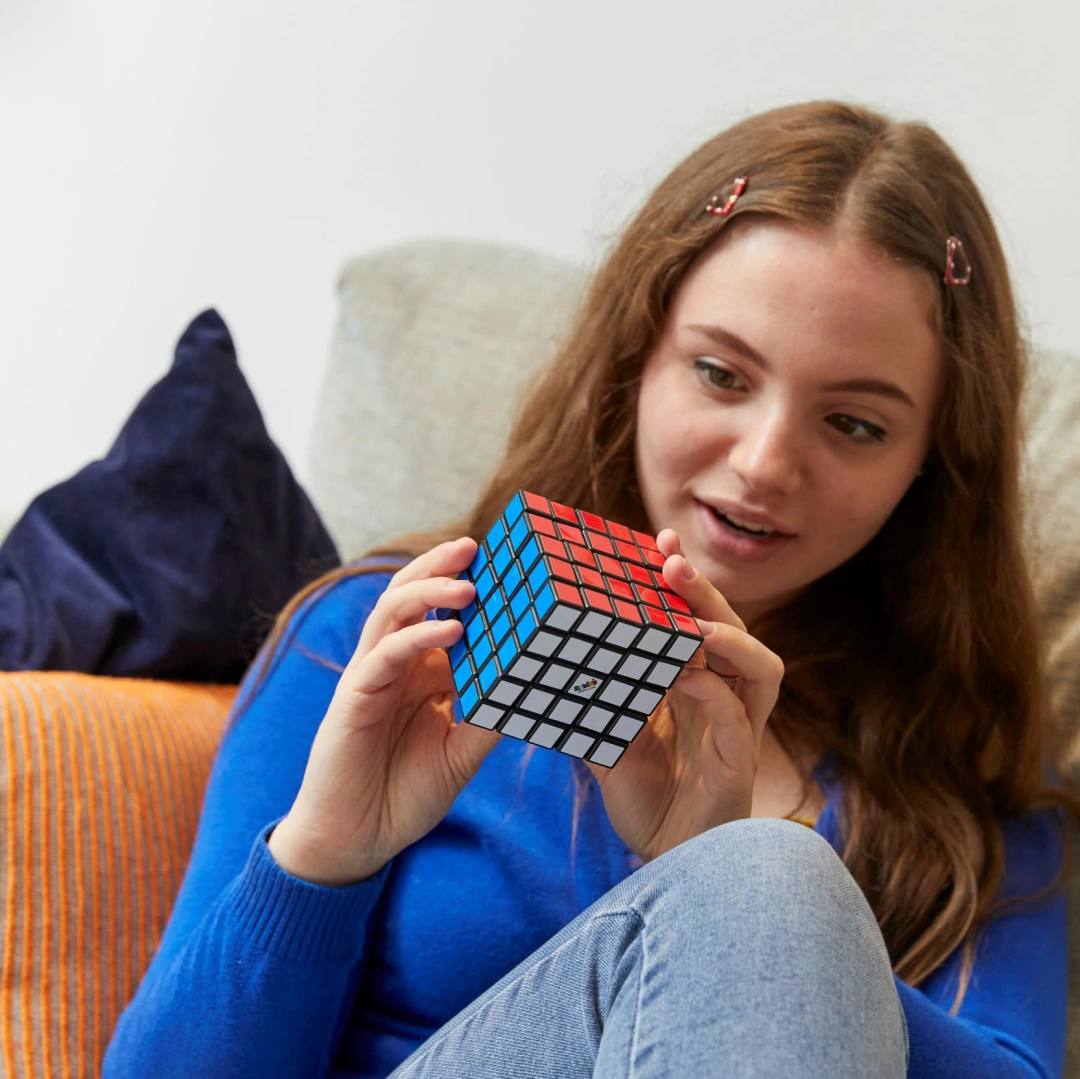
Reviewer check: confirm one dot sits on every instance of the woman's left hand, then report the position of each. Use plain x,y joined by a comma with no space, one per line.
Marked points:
683,775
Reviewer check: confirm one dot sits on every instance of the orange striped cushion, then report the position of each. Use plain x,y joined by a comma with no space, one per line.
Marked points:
101,787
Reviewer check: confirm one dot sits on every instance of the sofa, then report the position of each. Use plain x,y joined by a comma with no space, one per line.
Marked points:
102,778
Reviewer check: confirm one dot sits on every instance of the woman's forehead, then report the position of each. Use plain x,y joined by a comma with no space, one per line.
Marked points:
800,295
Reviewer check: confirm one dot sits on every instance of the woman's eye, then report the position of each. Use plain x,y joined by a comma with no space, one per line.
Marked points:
876,434
720,378
713,373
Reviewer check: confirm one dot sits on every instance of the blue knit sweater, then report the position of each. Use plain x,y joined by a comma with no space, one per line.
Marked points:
260,973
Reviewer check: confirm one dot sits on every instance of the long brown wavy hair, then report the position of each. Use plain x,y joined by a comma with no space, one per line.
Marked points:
926,682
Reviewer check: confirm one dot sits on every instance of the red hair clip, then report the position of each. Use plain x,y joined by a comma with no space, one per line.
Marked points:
953,246
713,206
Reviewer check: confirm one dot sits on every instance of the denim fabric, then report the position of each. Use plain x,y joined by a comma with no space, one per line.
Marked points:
746,951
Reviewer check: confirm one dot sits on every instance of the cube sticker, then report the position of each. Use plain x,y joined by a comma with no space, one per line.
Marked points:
573,637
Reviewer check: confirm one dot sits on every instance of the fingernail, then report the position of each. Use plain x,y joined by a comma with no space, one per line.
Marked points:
706,627
688,570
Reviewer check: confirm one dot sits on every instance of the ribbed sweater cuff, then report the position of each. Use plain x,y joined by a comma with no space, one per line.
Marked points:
295,919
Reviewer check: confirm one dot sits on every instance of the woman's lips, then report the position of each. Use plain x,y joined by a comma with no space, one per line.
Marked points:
734,547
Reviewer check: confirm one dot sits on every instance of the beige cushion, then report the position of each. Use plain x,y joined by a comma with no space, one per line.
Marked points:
434,342
1052,411
1052,458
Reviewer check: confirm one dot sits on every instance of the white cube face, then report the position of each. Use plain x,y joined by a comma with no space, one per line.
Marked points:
683,648
645,700
626,728
578,744
622,635
594,624
565,711
561,617
653,641
615,692
546,735
663,674
596,718
543,644
633,667
556,676
604,660
536,700
518,726
583,685
487,716
575,650
504,693
606,754
525,668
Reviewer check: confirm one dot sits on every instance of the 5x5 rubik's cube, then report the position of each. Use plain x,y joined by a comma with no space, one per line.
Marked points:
573,637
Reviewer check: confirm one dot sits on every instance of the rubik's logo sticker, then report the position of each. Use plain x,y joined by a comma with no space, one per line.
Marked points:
574,637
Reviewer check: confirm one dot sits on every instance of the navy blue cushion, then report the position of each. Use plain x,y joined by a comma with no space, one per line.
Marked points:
169,557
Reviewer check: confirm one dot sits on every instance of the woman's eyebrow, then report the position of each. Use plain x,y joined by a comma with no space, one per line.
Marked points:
851,385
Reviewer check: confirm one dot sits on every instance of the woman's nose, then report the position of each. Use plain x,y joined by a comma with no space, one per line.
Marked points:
768,454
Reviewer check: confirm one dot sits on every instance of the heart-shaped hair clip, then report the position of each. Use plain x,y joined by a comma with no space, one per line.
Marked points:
954,248
714,205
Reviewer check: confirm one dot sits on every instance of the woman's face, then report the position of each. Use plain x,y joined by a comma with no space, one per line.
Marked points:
739,405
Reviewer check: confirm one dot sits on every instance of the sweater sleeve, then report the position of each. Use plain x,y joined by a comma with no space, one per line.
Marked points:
1011,1024
256,970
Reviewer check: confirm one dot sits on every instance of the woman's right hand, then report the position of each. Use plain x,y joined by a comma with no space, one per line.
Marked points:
388,759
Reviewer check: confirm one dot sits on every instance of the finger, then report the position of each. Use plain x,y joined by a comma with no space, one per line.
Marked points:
729,649
700,593
730,739
410,603
393,653
466,747
444,560
729,646
669,542
705,600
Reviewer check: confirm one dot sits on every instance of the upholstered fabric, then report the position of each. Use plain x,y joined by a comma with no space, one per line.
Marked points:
1052,410
436,339
101,784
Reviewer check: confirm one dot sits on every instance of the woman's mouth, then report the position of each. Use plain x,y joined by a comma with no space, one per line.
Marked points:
740,544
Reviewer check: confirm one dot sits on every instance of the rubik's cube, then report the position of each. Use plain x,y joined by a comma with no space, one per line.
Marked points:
573,637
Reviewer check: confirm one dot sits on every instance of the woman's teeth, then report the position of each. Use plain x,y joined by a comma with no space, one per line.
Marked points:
734,522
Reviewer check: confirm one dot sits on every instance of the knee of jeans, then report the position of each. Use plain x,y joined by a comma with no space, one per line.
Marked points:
758,861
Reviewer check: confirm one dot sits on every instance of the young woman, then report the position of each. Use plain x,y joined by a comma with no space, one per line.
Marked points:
846,859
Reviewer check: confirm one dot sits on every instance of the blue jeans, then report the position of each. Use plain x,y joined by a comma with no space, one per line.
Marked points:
746,951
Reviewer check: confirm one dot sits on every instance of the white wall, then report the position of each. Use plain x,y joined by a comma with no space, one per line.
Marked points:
157,158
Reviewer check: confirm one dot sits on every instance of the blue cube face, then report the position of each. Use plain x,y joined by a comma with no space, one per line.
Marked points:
574,636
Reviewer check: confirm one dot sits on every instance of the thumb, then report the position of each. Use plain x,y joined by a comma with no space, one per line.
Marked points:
467,745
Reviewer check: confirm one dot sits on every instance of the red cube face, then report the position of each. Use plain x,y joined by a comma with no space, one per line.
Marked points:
574,636
600,543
